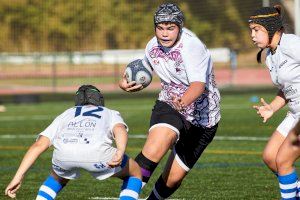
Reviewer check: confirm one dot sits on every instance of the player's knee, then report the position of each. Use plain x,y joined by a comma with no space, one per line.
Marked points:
269,159
159,141
155,151
152,153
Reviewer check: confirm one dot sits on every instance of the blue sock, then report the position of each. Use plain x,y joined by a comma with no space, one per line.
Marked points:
49,189
288,186
131,188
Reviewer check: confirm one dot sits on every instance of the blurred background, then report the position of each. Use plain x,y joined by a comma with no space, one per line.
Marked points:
54,46
48,48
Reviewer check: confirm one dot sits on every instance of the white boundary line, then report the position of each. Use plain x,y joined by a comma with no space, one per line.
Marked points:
23,118
231,138
221,138
52,117
112,198
241,138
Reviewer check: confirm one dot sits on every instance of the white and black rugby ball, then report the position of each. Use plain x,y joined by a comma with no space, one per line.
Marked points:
140,72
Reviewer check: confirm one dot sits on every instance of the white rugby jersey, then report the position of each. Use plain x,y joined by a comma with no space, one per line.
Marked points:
83,133
284,67
186,62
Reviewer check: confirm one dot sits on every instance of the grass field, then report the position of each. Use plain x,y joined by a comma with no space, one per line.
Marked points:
230,168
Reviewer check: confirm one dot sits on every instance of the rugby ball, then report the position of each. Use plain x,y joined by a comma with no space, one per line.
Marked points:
139,71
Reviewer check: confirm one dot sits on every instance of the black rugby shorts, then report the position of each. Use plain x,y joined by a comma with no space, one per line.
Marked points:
192,139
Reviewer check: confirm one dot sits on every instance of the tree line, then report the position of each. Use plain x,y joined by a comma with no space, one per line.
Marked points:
92,25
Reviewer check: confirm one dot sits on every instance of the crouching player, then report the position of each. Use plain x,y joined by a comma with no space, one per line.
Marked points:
82,137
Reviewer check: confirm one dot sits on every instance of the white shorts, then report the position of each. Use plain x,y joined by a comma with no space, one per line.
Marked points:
99,170
287,124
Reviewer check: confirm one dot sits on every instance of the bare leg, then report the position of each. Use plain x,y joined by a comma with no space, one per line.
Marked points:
173,173
158,142
271,150
288,153
160,139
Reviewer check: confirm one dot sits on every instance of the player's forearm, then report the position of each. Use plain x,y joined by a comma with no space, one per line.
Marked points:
278,102
121,137
194,91
30,157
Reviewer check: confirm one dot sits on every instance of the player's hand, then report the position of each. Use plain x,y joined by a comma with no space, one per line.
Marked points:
178,104
129,87
12,188
116,160
264,110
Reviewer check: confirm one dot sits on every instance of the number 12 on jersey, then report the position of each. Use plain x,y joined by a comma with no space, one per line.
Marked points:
91,113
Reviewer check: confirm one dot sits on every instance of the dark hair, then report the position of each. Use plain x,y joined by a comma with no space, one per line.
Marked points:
271,19
88,95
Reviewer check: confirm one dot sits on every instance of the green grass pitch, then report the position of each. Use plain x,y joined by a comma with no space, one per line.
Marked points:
229,168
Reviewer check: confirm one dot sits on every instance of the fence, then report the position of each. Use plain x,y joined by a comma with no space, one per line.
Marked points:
63,72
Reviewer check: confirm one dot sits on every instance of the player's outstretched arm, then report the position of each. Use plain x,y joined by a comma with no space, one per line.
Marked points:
121,139
30,157
129,87
266,110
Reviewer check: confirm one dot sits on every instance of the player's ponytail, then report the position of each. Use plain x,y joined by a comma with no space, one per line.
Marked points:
279,9
258,56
